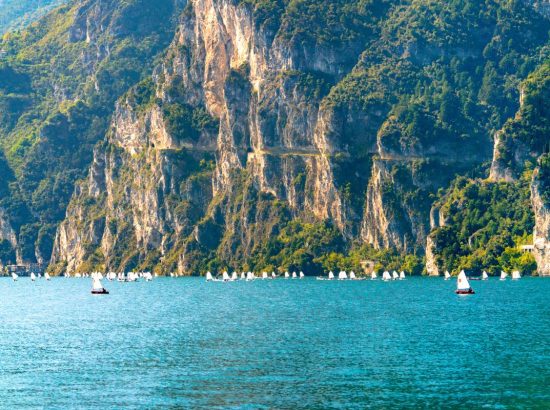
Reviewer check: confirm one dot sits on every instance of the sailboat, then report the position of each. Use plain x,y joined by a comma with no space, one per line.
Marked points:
301,274
462,285
386,275
287,275
264,275
330,275
14,276
47,276
33,276
503,275
447,275
243,276
516,275
209,277
234,276
342,275
352,275
484,276
395,275
401,275
273,276
225,277
250,276
97,287
373,275
294,275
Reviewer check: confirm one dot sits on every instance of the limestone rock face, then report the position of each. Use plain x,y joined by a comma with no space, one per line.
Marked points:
541,232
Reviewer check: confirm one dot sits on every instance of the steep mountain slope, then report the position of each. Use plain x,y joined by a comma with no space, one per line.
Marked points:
16,14
252,121
58,85
270,134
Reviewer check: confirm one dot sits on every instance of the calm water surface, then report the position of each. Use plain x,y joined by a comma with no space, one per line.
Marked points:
185,343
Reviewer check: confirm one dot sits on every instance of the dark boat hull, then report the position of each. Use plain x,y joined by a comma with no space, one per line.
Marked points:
465,292
100,292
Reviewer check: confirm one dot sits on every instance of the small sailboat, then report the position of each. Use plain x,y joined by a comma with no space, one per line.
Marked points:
243,276
352,275
330,275
47,276
342,275
209,277
234,276
14,276
395,275
447,275
484,276
516,275
503,275
97,287
264,275
373,275
287,275
273,275
250,276
33,276
386,275
301,274
294,276
401,275
462,285
225,277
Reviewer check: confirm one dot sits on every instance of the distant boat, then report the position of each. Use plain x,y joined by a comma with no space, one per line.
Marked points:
97,287
209,277
373,275
352,275
447,275
462,285
294,276
47,276
234,276
264,275
484,276
342,275
243,276
14,276
301,274
250,276
516,275
33,276
503,275
386,275
225,277
287,275
401,275
330,275
273,276
395,275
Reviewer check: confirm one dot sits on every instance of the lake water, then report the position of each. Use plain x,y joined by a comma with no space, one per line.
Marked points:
274,344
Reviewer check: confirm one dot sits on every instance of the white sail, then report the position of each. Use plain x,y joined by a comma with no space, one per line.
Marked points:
243,275
294,276
342,275
503,275
234,276
209,276
33,276
273,276
14,276
401,275
352,275
330,275
516,275
96,283
484,276
287,275
447,275
386,275
264,275
462,281
225,277
395,275
47,276
250,276
373,275
302,275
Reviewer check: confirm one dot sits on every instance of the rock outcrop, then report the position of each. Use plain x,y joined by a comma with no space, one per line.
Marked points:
541,232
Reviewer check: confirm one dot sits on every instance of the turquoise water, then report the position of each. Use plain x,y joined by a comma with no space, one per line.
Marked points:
274,344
